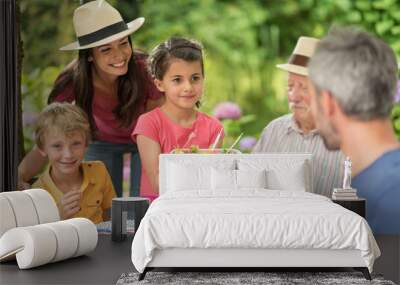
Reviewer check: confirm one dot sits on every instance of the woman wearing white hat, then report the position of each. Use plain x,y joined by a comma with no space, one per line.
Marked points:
108,80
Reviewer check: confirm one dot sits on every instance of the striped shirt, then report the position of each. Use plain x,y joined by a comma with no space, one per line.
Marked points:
283,135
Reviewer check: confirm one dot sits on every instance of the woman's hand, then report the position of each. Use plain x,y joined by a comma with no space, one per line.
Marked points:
22,185
70,204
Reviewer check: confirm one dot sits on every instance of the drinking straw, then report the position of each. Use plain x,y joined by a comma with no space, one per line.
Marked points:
216,139
234,143
191,136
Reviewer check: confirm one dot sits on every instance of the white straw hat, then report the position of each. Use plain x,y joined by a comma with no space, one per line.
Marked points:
97,23
301,55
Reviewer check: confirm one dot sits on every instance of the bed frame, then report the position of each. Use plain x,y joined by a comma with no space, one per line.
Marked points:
245,259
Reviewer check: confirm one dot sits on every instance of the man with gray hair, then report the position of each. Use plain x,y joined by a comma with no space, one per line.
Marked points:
353,80
296,132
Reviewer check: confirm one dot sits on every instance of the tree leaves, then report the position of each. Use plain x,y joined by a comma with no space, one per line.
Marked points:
243,40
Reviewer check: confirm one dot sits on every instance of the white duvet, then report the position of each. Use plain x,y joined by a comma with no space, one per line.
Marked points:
250,219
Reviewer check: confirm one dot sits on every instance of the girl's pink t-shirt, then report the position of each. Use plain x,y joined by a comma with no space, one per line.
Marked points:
169,135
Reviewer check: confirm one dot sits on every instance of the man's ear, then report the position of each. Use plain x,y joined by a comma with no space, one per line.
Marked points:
159,85
328,103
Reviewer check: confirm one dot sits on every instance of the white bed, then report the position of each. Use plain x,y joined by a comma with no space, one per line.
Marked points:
247,211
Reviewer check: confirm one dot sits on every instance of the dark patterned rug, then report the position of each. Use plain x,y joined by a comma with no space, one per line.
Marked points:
270,278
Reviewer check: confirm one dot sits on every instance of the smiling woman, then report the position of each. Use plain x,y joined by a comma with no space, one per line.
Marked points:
109,81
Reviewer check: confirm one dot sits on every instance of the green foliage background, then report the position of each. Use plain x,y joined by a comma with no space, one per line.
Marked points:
243,40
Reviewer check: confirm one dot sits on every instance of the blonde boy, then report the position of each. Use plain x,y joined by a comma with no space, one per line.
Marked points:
80,188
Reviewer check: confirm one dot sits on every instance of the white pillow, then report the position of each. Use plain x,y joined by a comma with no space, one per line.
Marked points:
291,179
281,174
235,179
251,178
184,175
223,179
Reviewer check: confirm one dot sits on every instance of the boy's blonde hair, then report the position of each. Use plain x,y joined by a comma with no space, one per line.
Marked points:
64,117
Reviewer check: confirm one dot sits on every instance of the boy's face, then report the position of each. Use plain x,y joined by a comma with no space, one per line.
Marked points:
64,151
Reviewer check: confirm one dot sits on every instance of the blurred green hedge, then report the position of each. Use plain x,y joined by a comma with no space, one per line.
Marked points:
243,40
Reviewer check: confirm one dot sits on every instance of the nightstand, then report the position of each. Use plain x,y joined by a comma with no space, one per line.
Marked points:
357,206
124,208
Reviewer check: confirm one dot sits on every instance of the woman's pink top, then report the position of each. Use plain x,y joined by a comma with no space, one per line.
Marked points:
108,126
169,135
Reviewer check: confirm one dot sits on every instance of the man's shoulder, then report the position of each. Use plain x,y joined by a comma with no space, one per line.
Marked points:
273,134
282,121
392,156
389,161
384,169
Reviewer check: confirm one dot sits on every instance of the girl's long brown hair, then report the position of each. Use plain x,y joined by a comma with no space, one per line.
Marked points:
131,87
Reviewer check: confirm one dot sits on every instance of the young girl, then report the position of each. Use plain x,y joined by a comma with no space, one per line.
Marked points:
110,82
177,69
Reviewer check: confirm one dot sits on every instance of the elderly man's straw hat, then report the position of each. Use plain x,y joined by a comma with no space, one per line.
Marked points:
97,23
301,55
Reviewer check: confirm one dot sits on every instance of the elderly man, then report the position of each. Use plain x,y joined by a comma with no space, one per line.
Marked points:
353,84
296,132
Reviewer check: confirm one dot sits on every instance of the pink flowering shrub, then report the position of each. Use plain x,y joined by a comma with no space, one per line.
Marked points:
227,110
231,117
247,143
